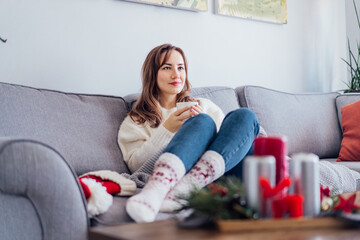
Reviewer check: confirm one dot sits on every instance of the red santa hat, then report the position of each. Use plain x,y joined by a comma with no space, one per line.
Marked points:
99,186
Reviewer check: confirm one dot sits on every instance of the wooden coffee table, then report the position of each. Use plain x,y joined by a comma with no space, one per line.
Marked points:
169,229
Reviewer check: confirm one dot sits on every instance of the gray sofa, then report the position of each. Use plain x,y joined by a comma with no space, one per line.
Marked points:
48,138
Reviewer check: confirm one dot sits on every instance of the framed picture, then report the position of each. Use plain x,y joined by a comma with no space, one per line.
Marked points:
191,5
263,10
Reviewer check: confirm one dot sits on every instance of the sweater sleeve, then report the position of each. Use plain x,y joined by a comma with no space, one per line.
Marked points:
139,143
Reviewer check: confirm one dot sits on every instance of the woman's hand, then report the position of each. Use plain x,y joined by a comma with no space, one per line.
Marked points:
177,119
196,109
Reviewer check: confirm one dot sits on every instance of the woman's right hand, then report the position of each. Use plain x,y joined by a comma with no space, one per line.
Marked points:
177,119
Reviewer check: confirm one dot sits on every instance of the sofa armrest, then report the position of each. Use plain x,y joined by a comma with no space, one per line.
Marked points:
34,173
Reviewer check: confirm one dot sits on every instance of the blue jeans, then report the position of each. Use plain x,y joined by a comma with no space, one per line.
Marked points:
233,141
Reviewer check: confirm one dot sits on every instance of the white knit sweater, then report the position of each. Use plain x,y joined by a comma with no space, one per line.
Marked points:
140,142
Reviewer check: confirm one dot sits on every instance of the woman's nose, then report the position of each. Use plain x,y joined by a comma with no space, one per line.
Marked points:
176,73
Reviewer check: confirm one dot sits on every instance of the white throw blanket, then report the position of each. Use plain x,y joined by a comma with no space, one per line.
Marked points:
338,178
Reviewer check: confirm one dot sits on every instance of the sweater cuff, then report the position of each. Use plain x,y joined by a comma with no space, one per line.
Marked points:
162,136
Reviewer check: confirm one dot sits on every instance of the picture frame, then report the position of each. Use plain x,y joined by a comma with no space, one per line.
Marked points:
273,11
190,5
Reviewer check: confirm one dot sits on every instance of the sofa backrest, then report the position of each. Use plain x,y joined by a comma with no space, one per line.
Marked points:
309,121
224,97
82,128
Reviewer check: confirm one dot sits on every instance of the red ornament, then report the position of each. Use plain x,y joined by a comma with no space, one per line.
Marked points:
216,189
324,191
346,205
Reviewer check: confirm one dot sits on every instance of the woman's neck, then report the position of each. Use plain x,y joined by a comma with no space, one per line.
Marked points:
168,102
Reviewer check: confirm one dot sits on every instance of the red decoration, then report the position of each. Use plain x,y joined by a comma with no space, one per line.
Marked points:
324,191
274,146
295,205
282,204
111,187
268,191
216,189
346,205
279,207
85,189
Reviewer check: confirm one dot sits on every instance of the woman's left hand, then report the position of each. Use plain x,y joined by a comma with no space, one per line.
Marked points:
196,109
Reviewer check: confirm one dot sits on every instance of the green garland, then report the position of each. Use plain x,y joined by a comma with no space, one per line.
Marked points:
223,199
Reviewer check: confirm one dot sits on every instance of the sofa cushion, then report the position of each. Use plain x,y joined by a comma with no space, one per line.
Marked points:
350,123
82,128
343,100
224,97
309,121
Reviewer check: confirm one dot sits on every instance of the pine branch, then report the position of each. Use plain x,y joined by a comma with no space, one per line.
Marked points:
223,199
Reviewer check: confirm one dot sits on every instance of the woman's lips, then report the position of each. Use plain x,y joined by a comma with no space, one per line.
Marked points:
175,83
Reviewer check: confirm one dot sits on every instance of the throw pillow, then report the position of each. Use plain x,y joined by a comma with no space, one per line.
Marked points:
350,122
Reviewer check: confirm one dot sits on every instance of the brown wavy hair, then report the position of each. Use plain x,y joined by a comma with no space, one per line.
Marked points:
147,107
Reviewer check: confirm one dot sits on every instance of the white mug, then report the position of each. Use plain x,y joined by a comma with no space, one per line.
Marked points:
180,105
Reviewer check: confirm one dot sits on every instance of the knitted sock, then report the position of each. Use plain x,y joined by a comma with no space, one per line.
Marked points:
210,167
144,206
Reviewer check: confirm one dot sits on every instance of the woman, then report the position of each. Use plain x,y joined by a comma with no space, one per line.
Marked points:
197,144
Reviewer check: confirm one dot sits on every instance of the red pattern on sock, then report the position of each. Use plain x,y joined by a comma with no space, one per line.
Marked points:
207,174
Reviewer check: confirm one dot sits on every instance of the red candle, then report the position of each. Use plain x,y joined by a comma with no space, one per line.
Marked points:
292,204
274,146
279,207
295,205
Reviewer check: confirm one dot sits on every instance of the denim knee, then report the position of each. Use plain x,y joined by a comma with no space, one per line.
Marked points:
202,120
246,113
192,139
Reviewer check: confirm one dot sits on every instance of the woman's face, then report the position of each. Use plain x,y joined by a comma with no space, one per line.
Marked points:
171,75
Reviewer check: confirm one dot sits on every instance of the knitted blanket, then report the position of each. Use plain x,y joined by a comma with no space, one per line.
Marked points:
142,175
338,178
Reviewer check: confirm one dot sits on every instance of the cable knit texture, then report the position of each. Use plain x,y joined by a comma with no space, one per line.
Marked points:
144,206
338,178
210,167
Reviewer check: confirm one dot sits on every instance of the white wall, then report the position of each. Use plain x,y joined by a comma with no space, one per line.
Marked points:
94,46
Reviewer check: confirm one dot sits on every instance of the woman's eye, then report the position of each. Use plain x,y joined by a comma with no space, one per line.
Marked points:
166,68
181,68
